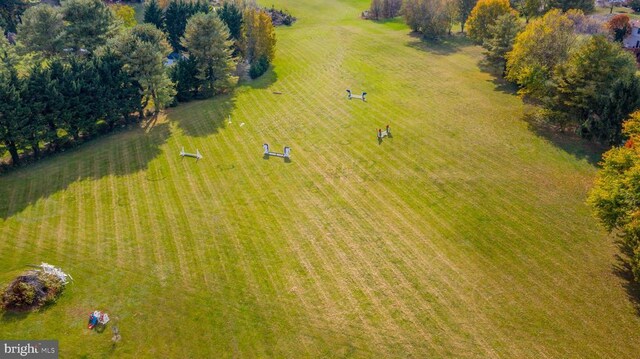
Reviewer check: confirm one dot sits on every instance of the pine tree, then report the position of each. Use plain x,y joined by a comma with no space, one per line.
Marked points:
41,30
10,113
153,14
206,40
185,75
89,23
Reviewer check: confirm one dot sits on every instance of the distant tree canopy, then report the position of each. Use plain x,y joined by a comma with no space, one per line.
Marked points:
587,6
484,15
126,14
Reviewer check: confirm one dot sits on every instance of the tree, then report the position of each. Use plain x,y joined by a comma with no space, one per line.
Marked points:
89,23
451,14
10,113
615,196
175,19
544,43
143,50
391,8
531,9
464,10
596,89
127,14
153,14
376,9
411,9
231,15
431,17
185,75
503,34
41,30
10,13
206,40
635,5
619,26
587,6
259,35
485,14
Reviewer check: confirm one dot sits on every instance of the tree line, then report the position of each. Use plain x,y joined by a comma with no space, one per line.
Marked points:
78,71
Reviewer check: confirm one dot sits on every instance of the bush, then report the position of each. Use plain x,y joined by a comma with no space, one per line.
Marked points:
30,291
258,68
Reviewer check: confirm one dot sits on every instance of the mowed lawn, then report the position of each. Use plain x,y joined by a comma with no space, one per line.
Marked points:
464,235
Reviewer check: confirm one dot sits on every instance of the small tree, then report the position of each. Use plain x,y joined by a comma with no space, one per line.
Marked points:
376,9
619,26
485,14
503,34
126,14
464,11
259,35
531,9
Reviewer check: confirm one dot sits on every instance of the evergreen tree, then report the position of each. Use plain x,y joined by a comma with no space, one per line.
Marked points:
153,14
185,75
503,34
89,23
10,113
206,40
231,15
41,30
175,20
10,13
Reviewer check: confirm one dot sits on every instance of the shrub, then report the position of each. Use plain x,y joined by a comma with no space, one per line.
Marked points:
30,291
258,68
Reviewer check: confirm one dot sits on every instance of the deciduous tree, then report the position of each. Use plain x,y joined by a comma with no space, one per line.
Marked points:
126,14
619,26
594,78
485,14
464,11
615,197
544,43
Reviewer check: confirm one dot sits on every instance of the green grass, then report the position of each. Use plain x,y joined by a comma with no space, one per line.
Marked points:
617,10
465,235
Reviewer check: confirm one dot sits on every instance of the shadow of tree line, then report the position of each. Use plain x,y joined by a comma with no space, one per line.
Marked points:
22,188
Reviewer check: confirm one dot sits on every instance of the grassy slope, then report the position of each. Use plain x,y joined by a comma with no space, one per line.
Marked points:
466,235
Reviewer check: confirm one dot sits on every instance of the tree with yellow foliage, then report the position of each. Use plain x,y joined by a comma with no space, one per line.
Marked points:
259,35
484,15
127,14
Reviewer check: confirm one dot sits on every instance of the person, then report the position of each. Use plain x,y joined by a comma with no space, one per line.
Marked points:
388,130
379,133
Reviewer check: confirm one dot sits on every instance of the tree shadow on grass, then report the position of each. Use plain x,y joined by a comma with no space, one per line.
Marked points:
265,81
498,80
568,141
117,154
201,118
622,269
448,45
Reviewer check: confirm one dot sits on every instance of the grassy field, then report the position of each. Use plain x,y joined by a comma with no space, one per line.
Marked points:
464,235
